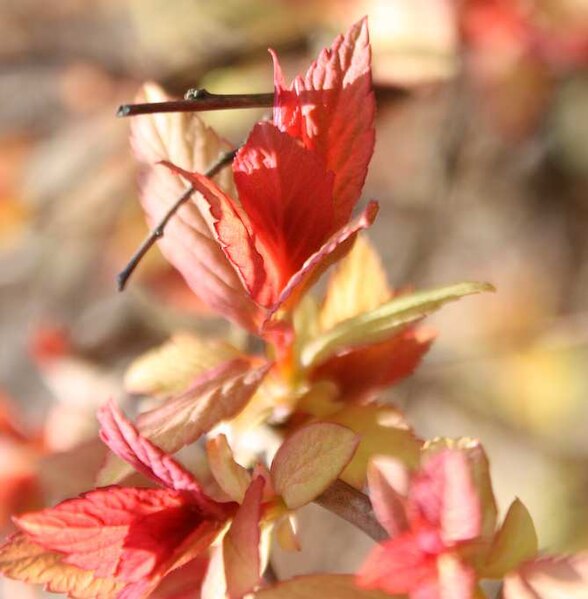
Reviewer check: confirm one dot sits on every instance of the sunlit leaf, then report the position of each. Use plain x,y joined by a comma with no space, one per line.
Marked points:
331,110
380,323
171,367
310,460
286,536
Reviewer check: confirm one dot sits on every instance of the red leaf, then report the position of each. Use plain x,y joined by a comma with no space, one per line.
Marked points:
333,249
287,195
366,369
241,544
120,532
331,110
125,441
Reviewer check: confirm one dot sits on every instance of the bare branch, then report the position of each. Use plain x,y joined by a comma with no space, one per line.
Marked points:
352,505
197,100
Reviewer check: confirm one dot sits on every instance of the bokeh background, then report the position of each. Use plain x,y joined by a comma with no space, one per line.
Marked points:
481,168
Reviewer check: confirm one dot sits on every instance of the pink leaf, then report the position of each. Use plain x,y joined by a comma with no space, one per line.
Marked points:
125,441
241,544
232,232
188,242
389,504
398,566
218,394
444,495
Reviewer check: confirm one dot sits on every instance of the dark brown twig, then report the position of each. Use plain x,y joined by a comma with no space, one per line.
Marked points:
158,232
199,100
352,505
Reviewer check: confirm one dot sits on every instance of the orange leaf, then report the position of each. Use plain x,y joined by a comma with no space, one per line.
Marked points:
22,559
310,460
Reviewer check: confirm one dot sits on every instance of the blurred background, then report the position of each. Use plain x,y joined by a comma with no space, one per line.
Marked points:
481,169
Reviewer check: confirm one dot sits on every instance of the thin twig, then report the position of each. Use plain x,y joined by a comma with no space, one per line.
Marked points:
158,232
199,100
352,505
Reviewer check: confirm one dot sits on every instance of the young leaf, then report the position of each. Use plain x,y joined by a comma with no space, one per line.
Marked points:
22,559
188,242
331,110
310,460
335,586
515,542
217,395
241,544
171,368
232,478
380,323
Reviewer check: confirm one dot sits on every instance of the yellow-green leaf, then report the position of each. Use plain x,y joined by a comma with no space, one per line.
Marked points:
310,460
24,560
358,285
383,431
171,367
514,543
380,323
